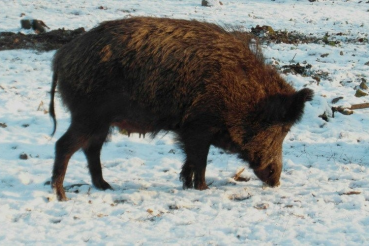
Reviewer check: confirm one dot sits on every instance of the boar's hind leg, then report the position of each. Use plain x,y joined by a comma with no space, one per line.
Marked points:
65,147
92,151
196,149
186,175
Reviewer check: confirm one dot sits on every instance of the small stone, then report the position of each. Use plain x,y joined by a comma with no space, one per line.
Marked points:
261,206
26,24
360,93
334,100
367,63
211,3
39,26
3,125
205,3
23,156
363,86
341,53
239,197
173,207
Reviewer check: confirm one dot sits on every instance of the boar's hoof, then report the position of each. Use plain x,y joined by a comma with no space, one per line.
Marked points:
187,184
201,186
186,178
59,192
101,184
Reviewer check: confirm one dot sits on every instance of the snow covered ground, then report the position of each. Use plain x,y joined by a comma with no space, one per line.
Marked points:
324,196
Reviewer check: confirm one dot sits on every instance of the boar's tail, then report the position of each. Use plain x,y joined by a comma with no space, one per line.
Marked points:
51,106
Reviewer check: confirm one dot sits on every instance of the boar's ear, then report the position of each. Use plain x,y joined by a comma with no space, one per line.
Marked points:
296,108
287,108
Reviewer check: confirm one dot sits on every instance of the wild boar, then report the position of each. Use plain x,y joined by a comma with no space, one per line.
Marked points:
208,85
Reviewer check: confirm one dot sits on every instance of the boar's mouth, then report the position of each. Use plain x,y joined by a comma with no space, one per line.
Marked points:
272,184
269,175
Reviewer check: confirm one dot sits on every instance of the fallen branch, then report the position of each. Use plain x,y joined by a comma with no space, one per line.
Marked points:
351,193
360,106
348,110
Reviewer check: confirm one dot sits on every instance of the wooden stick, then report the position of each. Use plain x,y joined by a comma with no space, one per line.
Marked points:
359,106
238,174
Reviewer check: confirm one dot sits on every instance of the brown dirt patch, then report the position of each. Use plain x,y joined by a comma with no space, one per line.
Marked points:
42,42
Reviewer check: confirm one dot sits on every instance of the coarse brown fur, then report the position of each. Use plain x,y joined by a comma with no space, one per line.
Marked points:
208,85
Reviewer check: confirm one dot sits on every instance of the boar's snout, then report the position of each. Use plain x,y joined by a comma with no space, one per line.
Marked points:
270,174
273,183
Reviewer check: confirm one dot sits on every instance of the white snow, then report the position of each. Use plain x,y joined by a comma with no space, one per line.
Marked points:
324,194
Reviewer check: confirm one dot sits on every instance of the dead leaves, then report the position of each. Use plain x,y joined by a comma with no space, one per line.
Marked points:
237,176
261,206
41,107
351,193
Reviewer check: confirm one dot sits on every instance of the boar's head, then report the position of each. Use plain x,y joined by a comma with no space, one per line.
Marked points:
265,129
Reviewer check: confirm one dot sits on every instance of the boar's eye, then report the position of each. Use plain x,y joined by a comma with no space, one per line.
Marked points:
271,171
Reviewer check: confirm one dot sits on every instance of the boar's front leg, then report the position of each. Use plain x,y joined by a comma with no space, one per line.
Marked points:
196,147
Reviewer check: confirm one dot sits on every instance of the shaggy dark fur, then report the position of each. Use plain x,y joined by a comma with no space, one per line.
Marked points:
196,79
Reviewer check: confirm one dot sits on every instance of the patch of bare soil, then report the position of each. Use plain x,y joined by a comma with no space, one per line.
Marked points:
42,42
266,34
45,41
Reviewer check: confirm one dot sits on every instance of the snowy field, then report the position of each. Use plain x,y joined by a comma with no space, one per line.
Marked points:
324,194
